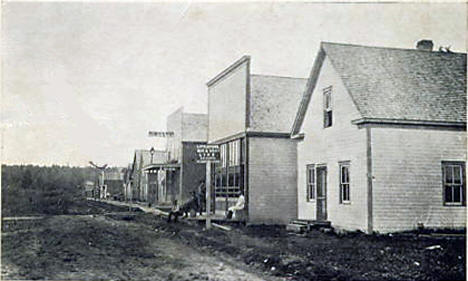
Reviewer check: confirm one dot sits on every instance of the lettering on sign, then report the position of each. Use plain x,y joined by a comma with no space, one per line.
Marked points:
207,153
160,134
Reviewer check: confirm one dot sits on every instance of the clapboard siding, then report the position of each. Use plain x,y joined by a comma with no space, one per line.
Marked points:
407,184
340,142
272,180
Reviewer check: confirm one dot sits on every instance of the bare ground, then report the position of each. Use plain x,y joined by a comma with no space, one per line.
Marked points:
101,248
138,246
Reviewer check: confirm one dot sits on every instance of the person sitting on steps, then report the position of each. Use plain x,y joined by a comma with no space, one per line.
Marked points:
240,204
174,212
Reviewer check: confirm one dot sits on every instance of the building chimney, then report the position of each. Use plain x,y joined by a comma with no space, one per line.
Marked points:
425,45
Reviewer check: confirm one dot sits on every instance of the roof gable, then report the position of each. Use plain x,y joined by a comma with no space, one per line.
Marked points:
396,84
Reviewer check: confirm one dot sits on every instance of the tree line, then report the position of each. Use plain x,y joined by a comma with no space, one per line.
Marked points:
31,189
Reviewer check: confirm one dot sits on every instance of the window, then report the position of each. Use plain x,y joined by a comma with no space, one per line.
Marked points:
327,107
310,170
230,171
223,155
453,175
345,196
234,153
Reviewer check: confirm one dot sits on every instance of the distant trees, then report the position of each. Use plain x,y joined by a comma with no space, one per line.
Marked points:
29,189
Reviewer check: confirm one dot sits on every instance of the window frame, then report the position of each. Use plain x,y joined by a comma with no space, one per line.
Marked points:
327,107
347,165
462,185
311,196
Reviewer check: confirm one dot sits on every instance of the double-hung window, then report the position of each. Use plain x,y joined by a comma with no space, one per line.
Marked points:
310,181
453,178
327,107
345,191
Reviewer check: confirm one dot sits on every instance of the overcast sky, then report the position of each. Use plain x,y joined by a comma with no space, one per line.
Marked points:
86,81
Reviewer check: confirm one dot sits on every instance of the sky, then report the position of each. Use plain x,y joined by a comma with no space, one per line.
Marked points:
86,81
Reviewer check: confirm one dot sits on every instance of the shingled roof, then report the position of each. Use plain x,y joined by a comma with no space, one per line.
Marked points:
273,102
396,84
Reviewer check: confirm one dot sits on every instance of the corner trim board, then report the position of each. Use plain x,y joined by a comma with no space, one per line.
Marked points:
370,218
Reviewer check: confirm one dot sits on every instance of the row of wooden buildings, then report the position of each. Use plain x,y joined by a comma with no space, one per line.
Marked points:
374,140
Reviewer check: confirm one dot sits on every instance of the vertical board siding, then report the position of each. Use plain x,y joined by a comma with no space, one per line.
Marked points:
340,142
272,180
408,178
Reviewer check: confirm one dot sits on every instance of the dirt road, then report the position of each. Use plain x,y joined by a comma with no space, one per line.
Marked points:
102,248
116,245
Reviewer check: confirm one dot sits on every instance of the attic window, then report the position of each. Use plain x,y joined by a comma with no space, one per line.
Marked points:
327,107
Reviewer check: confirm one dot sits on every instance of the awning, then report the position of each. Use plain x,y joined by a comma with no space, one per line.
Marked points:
162,166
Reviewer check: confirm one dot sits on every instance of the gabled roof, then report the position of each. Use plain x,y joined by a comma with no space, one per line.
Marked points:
273,102
395,84
142,158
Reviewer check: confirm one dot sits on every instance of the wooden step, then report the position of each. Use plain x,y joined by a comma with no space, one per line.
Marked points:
309,224
296,221
298,228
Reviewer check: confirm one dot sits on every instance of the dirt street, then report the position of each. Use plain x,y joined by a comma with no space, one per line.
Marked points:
113,244
102,248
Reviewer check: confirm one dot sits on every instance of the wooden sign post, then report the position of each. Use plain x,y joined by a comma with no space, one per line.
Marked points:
208,154
208,195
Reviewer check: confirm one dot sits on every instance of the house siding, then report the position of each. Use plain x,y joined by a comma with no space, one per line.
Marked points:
272,193
407,178
342,141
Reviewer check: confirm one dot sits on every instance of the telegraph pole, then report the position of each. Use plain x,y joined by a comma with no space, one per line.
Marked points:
102,169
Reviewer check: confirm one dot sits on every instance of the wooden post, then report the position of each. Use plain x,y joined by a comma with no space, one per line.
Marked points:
102,184
208,194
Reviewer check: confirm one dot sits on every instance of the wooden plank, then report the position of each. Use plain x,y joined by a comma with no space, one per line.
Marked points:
225,228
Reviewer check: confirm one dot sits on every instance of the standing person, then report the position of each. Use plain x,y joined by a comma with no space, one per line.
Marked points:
240,204
200,196
174,212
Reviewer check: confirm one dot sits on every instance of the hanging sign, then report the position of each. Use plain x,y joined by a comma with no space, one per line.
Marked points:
207,153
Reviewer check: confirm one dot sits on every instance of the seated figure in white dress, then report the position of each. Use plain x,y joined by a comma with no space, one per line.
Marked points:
240,204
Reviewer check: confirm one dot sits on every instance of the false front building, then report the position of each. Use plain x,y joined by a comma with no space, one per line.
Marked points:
181,171
250,117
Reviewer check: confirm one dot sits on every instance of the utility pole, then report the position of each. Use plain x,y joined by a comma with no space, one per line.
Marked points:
102,170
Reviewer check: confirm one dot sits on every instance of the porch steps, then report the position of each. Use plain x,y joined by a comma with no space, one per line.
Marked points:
299,226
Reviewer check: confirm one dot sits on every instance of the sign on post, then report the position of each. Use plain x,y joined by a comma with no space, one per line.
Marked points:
208,153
